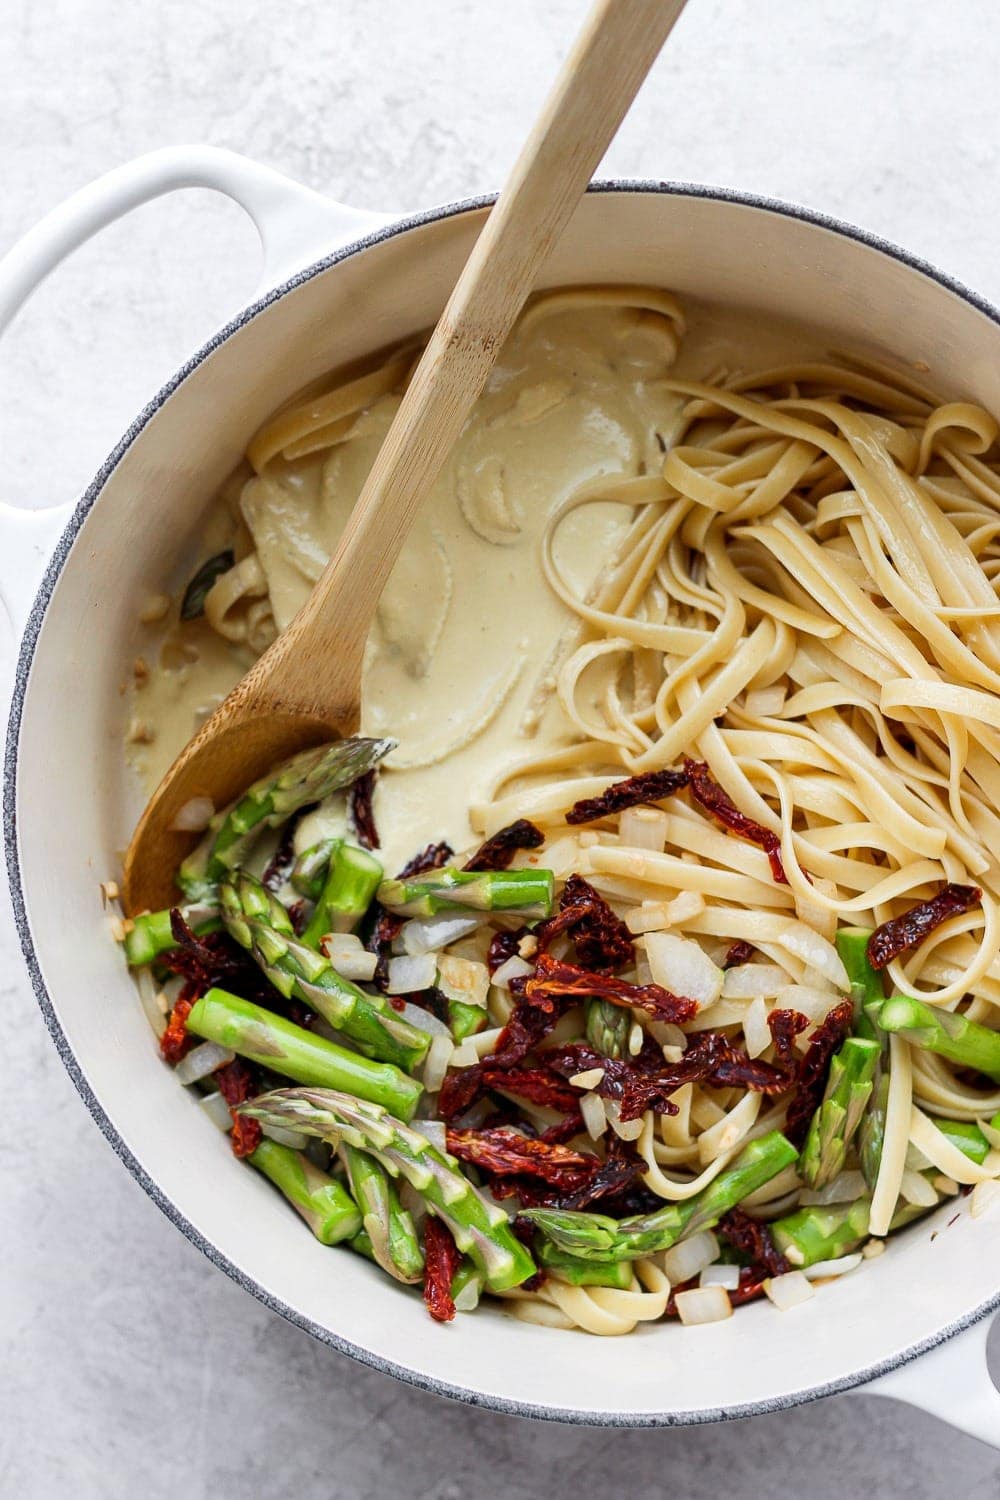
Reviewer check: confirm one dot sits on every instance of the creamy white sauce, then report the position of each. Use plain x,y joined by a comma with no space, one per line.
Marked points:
458,667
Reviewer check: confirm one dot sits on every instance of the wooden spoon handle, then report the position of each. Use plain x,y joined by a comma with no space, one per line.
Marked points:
320,654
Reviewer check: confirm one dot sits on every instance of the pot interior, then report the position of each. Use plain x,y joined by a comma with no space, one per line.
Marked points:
76,803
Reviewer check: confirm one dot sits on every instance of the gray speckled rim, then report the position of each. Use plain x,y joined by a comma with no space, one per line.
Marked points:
412,1377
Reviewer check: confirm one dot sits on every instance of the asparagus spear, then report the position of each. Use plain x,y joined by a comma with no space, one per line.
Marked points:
151,934
309,870
352,879
814,1234
275,1043
307,777
579,1272
480,1228
607,1028
831,1130
260,923
596,1237
968,1138
467,1276
525,893
389,1227
961,1041
868,992
324,1203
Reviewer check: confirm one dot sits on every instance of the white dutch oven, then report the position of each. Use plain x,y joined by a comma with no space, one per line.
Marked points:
339,283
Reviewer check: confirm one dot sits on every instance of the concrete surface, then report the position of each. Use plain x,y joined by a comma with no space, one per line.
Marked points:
127,1365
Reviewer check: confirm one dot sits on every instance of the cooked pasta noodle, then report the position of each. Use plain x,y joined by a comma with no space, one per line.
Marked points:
802,594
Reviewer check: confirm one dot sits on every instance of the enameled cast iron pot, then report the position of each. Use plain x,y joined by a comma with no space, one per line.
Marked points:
339,283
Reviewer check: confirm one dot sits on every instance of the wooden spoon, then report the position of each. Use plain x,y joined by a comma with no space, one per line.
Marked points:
306,688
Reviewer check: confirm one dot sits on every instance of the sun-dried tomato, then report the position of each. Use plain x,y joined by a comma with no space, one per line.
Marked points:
707,792
810,1077
649,786
785,1026
503,945
602,940
553,977
177,1040
385,926
430,858
237,1082
361,809
459,1091
506,1152
279,866
498,851
217,959
739,953
901,933
753,1240
538,1085
563,1130
442,1259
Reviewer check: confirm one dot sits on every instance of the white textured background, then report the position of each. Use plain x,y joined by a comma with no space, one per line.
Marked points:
128,1365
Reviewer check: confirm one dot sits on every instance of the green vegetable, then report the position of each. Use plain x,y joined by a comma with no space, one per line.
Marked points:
388,1225
832,1128
150,935
963,1042
324,1203
193,603
352,879
526,893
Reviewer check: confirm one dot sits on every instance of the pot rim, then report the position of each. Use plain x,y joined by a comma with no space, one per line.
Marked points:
466,1394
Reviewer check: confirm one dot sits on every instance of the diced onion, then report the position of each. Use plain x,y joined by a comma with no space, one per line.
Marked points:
349,956
816,1005
682,966
789,1290
643,828
654,916
429,934
463,979
708,1304
689,1257
636,1037
839,1267
873,1248
434,1130
626,1130
754,982
468,1298
293,1138
821,919
201,1061
424,1020
984,1196
436,1062
149,999
410,973
917,1190
217,1110
720,1275
806,944
845,1188
755,1028
193,816
465,1056
946,1185
511,968
594,1118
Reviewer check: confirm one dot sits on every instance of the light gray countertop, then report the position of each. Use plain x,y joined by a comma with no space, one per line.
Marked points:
127,1364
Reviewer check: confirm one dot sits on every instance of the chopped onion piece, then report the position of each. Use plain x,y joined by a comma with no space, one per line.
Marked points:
643,828
193,816
804,943
946,1185
463,979
635,1039
201,1061
983,1197
755,1028
428,934
410,973
434,1130
293,1138
754,982
689,1257
820,1269
594,1118
424,1020
654,916
436,1062
708,1304
720,1275
917,1190
349,956
465,1056
468,1298
626,1130
683,967
821,919
151,1002
217,1110
511,968
814,1004
845,1188
789,1290
873,1248
588,1079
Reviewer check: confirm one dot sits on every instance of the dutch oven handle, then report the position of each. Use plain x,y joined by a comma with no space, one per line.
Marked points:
296,226
952,1381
